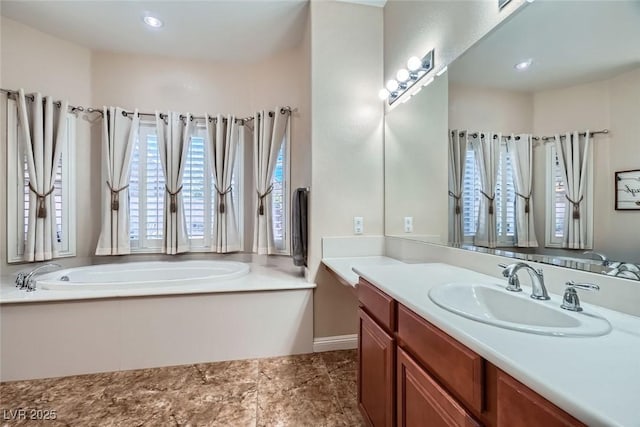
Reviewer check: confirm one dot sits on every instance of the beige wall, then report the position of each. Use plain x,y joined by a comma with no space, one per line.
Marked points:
38,62
612,104
416,177
346,135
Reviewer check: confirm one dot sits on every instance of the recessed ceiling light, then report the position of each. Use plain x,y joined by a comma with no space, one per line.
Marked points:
152,21
521,66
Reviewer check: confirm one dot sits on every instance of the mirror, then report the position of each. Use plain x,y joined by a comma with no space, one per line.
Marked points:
580,71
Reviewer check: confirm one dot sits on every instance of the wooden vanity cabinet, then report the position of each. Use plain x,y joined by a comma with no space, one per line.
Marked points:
412,374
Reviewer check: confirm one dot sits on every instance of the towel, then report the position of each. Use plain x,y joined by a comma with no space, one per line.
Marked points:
299,227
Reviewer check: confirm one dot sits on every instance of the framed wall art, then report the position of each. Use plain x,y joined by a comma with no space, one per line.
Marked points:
628,190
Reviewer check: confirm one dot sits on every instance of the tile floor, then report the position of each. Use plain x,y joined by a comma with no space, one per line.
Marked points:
306,390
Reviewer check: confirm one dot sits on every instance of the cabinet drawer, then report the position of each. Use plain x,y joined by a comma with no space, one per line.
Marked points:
421,401
378,304
459,368
518,405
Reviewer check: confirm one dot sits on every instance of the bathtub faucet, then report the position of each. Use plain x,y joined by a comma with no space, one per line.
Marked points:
28,281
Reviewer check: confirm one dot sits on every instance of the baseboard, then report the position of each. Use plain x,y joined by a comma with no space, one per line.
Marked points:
337,342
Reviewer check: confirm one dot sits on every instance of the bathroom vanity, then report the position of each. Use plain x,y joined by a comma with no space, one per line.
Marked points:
419,363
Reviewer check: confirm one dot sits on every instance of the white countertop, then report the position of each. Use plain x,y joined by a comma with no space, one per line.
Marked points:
260,278
343,266
595,379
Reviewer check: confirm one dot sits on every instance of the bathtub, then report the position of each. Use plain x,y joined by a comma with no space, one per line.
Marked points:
136,275
136,315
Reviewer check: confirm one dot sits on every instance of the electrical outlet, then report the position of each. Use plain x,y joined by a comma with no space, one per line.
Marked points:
408,224
358,225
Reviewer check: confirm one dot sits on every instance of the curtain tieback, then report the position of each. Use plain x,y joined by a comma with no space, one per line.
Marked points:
115,196
221,194
576,206
526,201
490,199
457,198
261,197
173,199
41,209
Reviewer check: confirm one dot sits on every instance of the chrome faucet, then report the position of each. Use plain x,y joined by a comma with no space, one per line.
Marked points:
570,300
28,282
538,290
603,257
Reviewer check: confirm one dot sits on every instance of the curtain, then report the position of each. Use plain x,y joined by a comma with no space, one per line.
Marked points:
42,129
223,137
520,148
457,158
174,136
119,134
486,147
574,157
268,134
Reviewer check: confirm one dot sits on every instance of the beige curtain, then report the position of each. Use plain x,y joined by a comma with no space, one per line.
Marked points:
575,155
42,130
268,135
520,147
119,133
174,137
487,154
224,135
457,158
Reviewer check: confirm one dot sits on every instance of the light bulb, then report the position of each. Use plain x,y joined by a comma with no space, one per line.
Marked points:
392,85
402,75
383,94
414,63
152,21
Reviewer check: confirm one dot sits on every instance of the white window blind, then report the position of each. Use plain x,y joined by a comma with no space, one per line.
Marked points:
147,189
18,190
504,203
279,198
556,199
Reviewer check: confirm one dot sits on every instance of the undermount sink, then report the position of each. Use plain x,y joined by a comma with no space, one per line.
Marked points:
496,306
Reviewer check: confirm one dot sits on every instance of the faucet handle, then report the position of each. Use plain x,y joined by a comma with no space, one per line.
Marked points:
20,280
570,299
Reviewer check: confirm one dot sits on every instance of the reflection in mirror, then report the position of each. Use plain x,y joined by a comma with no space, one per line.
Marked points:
531,169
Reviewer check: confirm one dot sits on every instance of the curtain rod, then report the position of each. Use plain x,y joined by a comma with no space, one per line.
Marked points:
90,110
536,138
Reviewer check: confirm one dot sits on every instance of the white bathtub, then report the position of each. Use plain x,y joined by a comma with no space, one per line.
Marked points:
148,314
137,275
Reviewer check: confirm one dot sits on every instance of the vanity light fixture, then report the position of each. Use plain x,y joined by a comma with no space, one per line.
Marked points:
152,21
407,78
524,65
383,94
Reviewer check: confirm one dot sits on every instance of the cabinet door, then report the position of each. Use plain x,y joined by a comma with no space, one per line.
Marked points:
376,352
519,406
421,400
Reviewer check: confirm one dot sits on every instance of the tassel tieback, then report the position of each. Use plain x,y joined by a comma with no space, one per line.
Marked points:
41,208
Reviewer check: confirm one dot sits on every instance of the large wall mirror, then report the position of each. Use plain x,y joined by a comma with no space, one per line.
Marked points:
515,150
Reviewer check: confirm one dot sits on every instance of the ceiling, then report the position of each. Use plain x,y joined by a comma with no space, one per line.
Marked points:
214,30
569,42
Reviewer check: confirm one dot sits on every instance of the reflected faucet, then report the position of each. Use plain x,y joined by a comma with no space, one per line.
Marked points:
603,257
28,282
538,290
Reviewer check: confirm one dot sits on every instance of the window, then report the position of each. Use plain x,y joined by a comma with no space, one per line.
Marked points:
18,190
279,199
147,192
504,202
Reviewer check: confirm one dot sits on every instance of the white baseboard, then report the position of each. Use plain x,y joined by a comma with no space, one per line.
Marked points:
337,342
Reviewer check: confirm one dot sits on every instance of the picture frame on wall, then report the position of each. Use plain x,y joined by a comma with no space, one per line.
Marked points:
627,190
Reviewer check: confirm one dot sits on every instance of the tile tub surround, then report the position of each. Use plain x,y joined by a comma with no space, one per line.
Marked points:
595,379
304,390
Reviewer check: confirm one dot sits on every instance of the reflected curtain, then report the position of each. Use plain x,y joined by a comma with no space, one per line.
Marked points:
486,148
223,137
174,137
268,135
42,131
119,134
457,158
520,148
575,155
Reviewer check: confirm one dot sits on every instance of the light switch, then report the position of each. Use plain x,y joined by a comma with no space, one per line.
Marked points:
358,225
408,224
